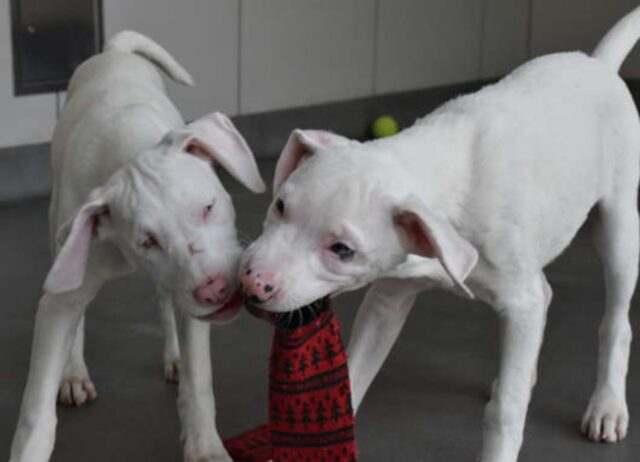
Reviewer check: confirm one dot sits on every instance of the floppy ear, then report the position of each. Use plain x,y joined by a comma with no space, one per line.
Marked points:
67,272
214,138
430,236
301,144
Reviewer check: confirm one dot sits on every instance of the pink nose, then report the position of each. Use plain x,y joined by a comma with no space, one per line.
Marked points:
259,287
212,291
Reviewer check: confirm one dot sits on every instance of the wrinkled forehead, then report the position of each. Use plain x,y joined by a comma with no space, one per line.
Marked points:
177,185
332,189
189,177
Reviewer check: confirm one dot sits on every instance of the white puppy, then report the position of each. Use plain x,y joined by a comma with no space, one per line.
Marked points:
134,187
477,198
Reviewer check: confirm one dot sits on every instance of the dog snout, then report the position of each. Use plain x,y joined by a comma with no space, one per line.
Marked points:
258,287
214,290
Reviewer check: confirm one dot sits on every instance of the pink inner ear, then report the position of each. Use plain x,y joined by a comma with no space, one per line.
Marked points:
96,220
416,234
197,150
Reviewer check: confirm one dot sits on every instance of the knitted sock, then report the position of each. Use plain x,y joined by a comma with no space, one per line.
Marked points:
310,413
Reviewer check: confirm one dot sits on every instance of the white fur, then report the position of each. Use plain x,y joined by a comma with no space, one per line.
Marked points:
126,167
490,188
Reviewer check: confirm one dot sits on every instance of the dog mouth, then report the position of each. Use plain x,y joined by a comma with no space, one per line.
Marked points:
228,311
291,320
260,313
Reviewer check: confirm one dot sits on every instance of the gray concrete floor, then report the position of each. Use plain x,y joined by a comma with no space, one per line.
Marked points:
426,404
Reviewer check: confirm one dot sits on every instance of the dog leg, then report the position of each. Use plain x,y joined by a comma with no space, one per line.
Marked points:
617,241
523,316
377,325
171,342
548,295
76,387
382,315
196,403
56,323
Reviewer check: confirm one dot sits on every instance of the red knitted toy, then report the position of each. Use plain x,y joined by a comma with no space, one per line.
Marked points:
310,413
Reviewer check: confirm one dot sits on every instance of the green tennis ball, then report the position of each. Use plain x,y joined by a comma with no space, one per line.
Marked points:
384,126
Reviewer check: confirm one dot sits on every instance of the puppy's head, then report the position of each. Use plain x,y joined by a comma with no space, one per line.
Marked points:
168,214
343,215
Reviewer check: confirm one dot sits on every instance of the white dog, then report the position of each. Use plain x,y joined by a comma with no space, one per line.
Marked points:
478,198
134,187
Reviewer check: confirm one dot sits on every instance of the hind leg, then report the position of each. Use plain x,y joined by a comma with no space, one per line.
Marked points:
617,241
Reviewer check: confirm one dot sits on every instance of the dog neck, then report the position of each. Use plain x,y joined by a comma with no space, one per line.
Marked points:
432,159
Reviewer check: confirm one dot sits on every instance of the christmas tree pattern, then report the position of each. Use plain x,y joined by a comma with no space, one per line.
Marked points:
335,411
329,348
303,366
305,419
291,416
321,417
315,357
276,416
288,367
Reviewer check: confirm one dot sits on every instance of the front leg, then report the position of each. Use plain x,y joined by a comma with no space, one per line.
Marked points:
378,323
57,319
76,387
196,403
171,354
382,315
523,317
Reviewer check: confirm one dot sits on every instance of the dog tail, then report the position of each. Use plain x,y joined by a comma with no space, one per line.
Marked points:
134,42
617,44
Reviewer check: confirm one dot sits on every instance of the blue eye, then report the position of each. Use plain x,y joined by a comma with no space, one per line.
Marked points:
343,251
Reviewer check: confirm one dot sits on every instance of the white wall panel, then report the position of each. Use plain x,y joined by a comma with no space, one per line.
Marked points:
425,43
299,52
505,36
201,34
578,25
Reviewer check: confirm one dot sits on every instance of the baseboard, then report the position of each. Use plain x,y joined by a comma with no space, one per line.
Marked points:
25,170
267,132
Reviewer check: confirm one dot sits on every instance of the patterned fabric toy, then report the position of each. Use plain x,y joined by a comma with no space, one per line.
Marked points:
310,413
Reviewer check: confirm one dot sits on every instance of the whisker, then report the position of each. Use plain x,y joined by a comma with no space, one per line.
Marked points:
244,238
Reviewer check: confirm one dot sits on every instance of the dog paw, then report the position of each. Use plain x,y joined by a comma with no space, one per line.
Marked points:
216,457
76,391
172,370
606,419
212,458
204,447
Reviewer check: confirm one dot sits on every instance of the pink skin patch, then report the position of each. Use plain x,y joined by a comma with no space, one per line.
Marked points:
228,311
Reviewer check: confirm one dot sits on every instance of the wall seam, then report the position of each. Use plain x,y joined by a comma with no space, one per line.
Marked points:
239,63
374,60
483,20
529,50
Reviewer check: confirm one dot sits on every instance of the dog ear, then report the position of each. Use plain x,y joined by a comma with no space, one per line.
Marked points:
75,236
214,138
301,144
427,235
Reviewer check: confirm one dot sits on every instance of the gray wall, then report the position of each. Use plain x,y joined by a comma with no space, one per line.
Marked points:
252,56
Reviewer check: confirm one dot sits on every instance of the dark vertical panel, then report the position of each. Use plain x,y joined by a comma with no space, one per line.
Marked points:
50,39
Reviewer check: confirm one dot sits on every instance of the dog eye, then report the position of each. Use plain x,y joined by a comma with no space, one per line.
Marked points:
280,207
343,251
206,211
150,242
